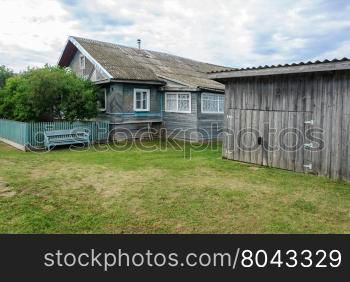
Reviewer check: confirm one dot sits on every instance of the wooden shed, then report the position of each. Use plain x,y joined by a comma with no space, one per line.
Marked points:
294,117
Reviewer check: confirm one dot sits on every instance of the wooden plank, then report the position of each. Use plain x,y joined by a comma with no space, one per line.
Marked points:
309,85
326,153
291,141
260,128
264,96
300,141
301,93
337,112
318,121
258,96
236,129
241,135
276,149
265,131
346,129
271,139
248,139
255,128
229,145
270,92
239,95
277,93
284,140
308,152
225,140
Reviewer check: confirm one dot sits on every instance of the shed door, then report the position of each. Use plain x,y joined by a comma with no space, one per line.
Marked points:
270,138
248,136
287,140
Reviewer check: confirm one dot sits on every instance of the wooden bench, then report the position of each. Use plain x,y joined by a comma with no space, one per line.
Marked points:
66,137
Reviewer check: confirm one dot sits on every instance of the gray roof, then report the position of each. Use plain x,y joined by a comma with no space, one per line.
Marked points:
280,66
308,67
127,63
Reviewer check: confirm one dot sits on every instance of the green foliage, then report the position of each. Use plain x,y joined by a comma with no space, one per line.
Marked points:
5,73
48,93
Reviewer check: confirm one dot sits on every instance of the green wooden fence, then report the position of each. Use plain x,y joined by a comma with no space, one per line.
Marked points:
14,131
32,134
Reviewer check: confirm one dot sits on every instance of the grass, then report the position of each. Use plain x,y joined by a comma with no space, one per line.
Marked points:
98,191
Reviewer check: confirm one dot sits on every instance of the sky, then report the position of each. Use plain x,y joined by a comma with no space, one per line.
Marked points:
236,33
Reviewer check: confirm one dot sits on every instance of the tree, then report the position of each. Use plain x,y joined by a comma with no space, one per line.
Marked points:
5,73
46,94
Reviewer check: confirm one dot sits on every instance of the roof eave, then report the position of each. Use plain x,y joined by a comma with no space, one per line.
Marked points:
222,76
212,89
134,81
62,52
97,65
179,89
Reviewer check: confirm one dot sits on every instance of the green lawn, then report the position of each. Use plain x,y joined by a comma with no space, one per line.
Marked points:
162,192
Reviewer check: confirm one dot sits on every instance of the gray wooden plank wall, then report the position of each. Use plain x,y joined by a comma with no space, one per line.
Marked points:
184,123
291,100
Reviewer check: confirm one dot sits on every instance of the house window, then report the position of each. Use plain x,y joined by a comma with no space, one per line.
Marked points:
102,99
82,62
141,100
178,102
212,103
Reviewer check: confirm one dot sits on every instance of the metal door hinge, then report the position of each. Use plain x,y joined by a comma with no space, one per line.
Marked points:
310,145
309,166
311,122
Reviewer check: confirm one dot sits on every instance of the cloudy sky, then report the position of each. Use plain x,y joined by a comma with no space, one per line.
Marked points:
227,32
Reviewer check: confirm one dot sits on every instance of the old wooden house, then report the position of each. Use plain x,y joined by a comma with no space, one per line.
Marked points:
294,117
145,89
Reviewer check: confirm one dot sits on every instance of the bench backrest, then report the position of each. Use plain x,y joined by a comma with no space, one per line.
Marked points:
69,132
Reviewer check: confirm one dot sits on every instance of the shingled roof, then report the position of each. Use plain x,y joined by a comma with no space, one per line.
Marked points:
127,63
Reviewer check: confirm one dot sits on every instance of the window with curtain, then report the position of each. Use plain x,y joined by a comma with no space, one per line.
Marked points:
212,103
82,62
141,99
102,99
171,102
178,102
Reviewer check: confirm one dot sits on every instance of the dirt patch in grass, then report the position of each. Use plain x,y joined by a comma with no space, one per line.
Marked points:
255,168
5,190
104,181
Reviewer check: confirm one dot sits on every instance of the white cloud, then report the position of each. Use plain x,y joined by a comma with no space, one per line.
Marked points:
227,32
32,32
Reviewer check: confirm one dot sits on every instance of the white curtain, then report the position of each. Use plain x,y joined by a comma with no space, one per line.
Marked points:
212,103
171,102
184,103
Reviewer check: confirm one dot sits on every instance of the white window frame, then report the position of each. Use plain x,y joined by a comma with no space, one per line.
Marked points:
148,101
208,112
105,108
177,102
82,65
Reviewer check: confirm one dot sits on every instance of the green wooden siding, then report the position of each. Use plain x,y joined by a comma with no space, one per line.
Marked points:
32,134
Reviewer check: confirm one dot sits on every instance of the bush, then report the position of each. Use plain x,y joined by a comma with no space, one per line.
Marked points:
5,73
48,93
